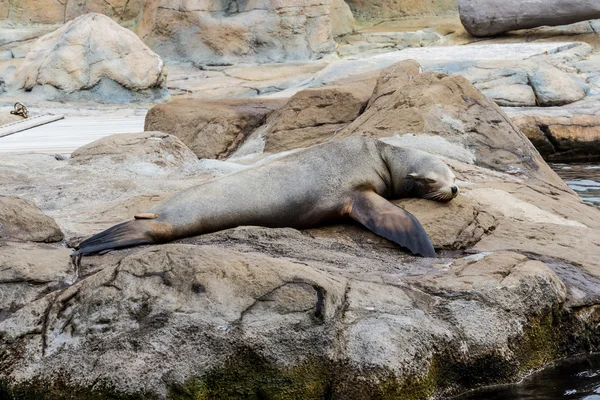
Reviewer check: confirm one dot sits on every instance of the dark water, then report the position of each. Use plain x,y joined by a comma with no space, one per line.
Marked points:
582,178
573,379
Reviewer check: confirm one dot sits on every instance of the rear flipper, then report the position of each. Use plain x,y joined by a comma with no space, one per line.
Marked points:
391,222
126,234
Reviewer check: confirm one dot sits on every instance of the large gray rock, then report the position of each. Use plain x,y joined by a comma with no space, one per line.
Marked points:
217,32
492,17
92,57
200,319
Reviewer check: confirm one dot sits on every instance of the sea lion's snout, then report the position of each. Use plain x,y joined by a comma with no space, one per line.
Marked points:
443,194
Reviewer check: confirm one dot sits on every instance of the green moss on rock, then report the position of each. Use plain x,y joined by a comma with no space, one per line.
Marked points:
248,376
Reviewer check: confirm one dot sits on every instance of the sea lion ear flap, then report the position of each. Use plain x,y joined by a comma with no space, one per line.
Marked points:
413,175
391,222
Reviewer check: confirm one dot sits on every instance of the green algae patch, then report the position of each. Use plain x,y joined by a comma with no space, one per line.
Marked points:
541,342
248,376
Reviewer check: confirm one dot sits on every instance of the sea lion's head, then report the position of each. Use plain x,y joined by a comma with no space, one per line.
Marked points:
432,179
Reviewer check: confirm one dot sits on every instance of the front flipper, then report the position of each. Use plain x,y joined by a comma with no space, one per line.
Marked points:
391,222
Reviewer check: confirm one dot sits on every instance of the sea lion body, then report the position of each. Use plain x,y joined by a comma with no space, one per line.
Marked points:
299,190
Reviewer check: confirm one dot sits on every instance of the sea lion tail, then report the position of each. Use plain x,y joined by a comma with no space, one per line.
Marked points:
125,234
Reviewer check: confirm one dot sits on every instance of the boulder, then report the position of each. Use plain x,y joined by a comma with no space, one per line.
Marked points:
92,57
211,129
20,219
342,20
555,88
147,150
445,107
314,115
452,108
217,32
224,322
524,83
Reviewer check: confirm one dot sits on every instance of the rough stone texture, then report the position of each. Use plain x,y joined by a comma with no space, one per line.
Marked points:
342,20
491,17
144,150
29,272
369,10
364,44
232,309
278,311
524,83
314,115
562,138
511,74
125,12
20,219
554,88
92,57
211,129
216,32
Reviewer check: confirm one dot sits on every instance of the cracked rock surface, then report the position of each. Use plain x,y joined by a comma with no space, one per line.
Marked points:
330,312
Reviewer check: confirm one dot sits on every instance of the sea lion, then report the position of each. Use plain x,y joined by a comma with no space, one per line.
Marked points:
346,178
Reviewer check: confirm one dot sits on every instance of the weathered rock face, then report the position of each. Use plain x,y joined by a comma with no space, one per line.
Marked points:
92,57
147,149
511,74
53,12
313,116
388,9
217,32
211,129
283,319
20,219
563,138
28,272
342,20
367,43
525,83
